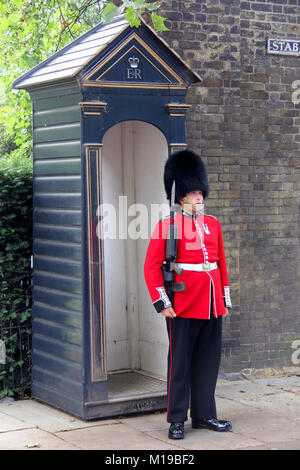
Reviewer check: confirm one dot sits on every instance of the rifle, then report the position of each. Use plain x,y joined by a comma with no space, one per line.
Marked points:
169,266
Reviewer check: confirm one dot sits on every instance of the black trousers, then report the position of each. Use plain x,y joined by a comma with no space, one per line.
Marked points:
193,365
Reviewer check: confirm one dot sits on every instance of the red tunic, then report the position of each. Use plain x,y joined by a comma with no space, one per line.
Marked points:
199,241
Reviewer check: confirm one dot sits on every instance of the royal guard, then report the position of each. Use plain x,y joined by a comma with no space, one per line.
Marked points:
186,275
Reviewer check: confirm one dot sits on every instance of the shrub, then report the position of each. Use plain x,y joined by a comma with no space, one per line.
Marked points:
15,275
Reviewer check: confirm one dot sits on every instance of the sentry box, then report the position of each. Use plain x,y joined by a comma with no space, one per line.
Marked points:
107,110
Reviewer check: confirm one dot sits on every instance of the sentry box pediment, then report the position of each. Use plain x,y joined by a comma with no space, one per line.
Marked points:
115,54
107,110
133,63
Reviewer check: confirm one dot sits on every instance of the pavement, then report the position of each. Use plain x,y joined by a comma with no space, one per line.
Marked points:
264,411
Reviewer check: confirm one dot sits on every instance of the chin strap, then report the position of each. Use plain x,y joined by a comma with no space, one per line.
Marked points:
185,200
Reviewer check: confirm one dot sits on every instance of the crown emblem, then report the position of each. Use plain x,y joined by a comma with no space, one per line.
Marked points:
133,62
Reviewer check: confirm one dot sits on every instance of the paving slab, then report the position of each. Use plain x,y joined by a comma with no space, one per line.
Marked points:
147,422
267,427
34,413
283,403
286,445
114,437
33,439
226,406
157,422
11,423
204,439
243,388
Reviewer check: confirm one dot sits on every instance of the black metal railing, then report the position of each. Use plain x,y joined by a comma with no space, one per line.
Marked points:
15,359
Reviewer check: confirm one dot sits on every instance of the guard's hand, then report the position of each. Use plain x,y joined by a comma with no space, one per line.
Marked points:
226,314
168,312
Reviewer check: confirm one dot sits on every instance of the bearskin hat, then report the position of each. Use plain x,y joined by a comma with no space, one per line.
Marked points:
188,172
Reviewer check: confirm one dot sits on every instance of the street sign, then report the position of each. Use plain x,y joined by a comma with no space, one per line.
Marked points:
283,46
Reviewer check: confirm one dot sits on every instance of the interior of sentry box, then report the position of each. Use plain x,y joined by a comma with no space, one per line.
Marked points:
133,198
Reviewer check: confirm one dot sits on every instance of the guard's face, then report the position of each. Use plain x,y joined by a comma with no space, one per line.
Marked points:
194,197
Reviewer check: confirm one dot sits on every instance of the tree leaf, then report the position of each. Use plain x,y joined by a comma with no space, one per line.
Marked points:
132,17
151,6
139,3
158,22
109,12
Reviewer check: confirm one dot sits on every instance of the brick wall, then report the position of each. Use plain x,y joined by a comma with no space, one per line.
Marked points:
246,127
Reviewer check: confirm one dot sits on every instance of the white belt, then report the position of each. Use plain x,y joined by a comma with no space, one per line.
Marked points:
198,267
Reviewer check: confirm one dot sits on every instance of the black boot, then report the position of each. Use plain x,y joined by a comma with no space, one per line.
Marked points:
213,424
176,431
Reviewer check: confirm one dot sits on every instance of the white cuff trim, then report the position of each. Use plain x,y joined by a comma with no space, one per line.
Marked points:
227,297
164,297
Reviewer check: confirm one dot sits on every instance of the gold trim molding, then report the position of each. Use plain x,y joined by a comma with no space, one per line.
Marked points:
176,147
177,109
95,264
93,107
152,86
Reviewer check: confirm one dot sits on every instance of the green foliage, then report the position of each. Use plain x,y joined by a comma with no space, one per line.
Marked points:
133,10
15,275
7,144
158,22
32,30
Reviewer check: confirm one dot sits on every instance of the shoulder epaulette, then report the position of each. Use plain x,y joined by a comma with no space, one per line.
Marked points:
208,215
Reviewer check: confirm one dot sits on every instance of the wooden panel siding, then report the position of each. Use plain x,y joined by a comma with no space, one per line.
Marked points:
67,339
50,232
57,281
55,102
57,249
57,183
57,115
57,315
58,366
60,266
57,216
65,386
65,131
56,200
57,267
57,149
52,396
